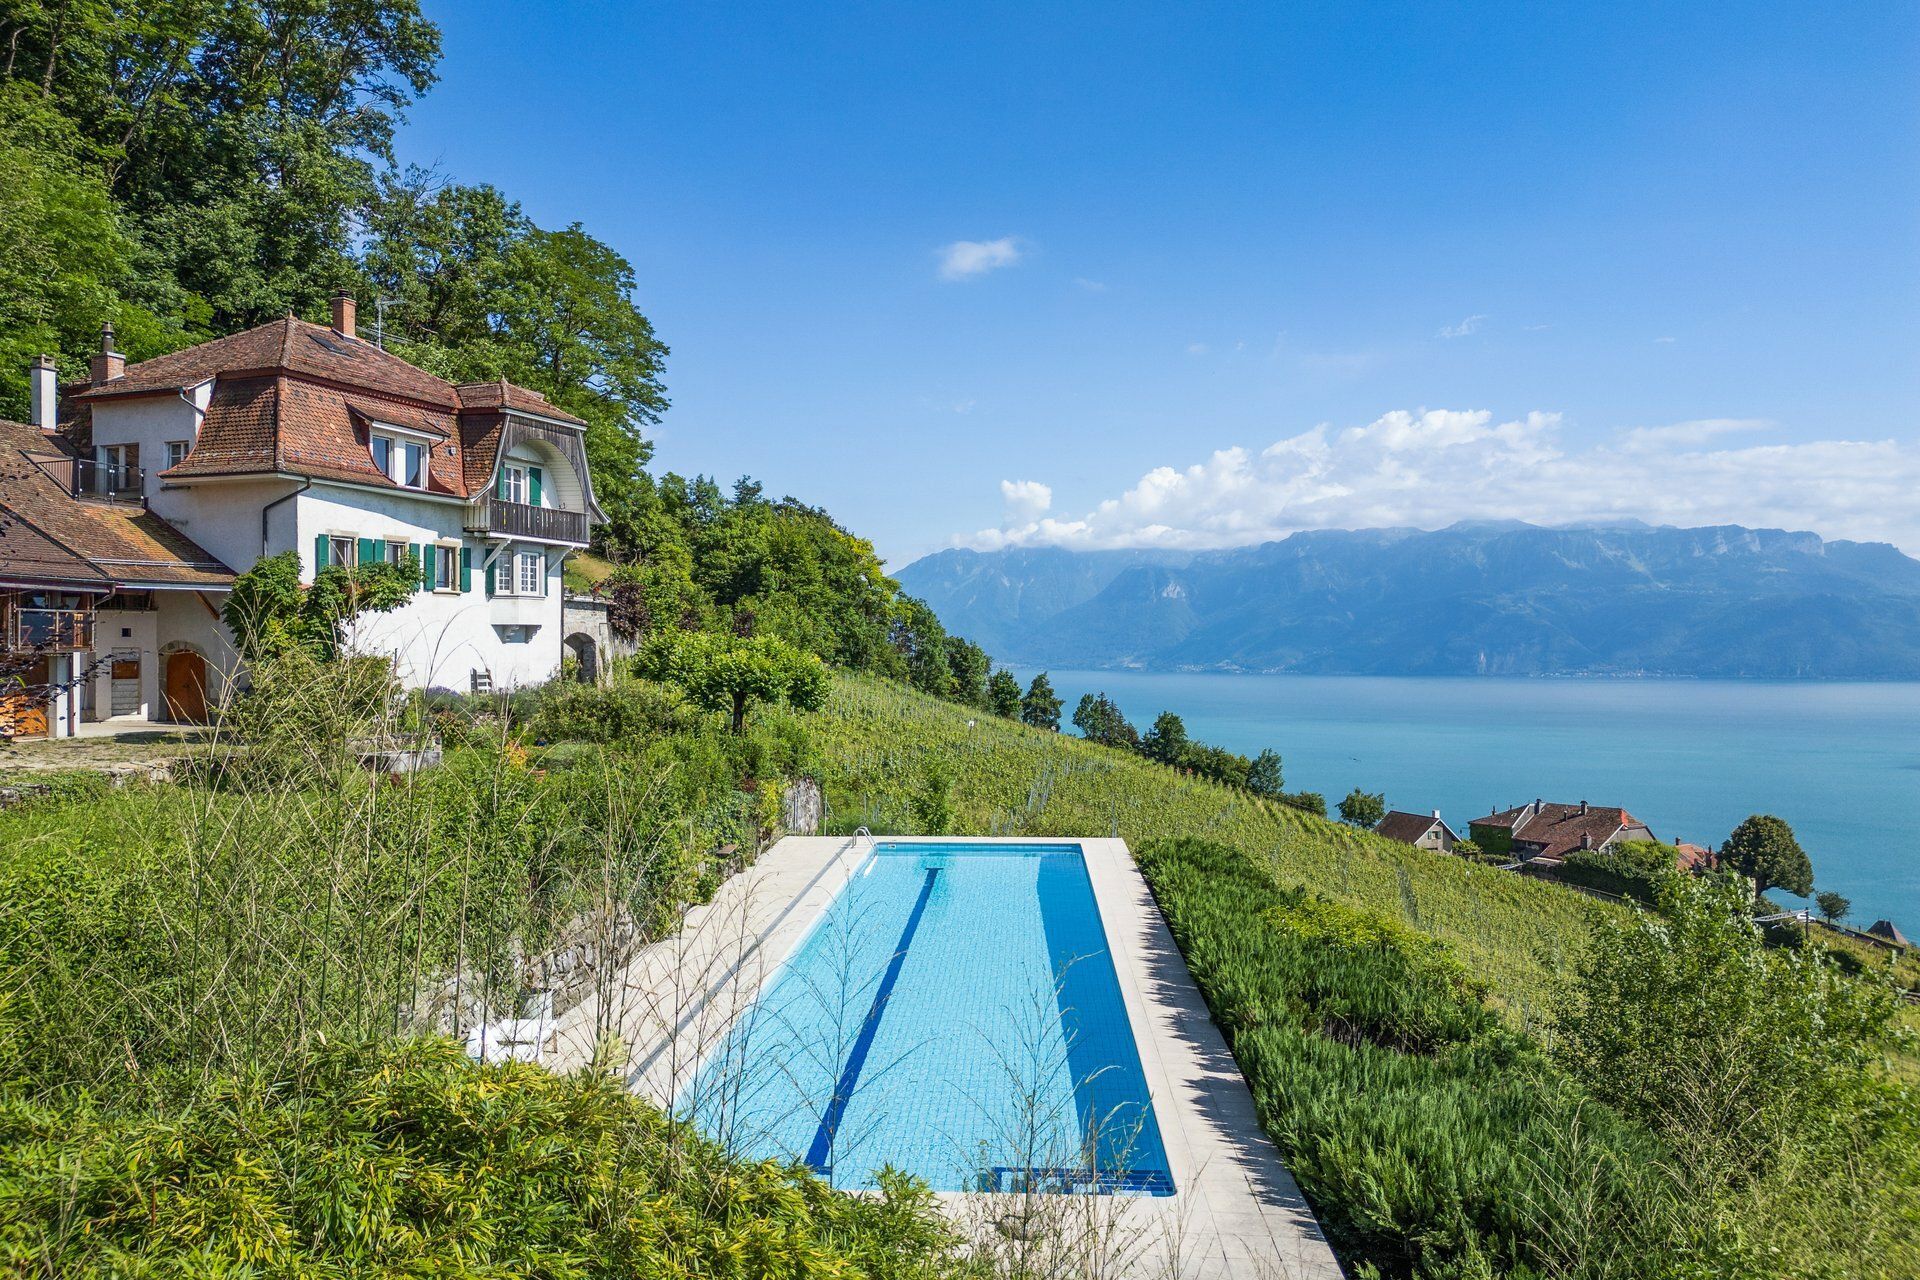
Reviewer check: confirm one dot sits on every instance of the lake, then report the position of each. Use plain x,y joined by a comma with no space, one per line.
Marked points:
1691,758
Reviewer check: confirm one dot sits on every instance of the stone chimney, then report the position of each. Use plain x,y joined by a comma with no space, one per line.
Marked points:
1586,840
1583,808
345,314
108,364
43,389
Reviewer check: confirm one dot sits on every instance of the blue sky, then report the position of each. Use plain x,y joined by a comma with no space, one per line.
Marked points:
1196,275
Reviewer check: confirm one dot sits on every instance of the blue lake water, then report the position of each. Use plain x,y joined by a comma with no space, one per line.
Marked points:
1840,762
955,1014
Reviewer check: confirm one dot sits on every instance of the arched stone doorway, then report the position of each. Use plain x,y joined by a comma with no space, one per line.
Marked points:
586,657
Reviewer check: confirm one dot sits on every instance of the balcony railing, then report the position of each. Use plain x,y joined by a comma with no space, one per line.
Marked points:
49,630
489,514
93,479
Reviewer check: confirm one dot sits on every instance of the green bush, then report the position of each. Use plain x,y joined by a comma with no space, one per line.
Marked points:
630,711
413,1160
1431,1140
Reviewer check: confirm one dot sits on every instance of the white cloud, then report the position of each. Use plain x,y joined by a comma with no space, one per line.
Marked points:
1470,325
1091,286
1196,348
1690,434
1429,468
1663,339
965,259
1027,500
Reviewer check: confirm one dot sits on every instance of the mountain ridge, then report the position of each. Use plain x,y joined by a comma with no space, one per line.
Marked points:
1476,598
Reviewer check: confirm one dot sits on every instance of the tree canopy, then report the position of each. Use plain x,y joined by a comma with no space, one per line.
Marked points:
1764,849
730,673
1363,808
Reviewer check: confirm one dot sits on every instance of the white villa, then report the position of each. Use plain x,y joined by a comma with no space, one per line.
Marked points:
133,498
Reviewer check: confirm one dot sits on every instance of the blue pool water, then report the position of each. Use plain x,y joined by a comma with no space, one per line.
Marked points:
954,1014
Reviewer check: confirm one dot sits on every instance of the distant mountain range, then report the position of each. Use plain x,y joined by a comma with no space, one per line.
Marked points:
1477,598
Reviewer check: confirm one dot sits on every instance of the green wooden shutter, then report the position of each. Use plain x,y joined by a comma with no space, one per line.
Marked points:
466,569
486,574
533,486
500,483
369,550
319,553
426,566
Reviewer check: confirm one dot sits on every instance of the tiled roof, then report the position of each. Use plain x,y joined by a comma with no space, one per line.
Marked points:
1694,857
1556,830
1405,827
504,394
289,344
300,399
48,535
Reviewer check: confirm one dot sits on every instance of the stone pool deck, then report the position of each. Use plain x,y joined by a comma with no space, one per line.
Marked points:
1236,1213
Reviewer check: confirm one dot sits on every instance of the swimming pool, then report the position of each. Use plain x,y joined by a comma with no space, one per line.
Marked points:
954,1013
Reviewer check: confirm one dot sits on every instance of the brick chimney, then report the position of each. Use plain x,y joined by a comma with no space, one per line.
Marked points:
43,390
345,314
108,364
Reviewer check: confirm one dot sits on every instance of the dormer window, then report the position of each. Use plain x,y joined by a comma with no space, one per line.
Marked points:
401,459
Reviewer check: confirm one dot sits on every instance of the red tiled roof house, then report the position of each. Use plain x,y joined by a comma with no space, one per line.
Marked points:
1545,833
126,515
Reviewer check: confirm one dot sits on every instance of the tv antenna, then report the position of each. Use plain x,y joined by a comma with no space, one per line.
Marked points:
380,306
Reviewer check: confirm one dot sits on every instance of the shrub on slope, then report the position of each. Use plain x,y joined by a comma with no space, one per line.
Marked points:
413,1160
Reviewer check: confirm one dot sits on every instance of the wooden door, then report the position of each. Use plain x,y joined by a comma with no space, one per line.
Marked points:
186,687
22,713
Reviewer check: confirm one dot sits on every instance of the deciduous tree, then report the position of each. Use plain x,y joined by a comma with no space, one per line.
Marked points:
1363,808
730,673
1763,849
1003,694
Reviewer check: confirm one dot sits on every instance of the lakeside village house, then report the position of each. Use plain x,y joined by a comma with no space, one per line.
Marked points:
133,498
1539,836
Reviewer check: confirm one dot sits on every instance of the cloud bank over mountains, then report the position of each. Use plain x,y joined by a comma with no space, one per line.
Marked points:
1430,468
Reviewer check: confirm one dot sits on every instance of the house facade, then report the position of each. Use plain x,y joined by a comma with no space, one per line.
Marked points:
288,437
1422,830
1544,832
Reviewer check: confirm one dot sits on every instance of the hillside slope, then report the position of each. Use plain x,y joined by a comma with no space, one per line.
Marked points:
1499,598
875,742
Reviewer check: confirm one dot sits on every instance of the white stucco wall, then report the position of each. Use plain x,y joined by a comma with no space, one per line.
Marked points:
150,421
439,639
179,619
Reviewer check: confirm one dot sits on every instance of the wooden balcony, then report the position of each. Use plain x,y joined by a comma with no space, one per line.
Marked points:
48,630
496,516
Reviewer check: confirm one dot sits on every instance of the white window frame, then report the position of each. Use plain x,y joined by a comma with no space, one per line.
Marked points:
335,541
400,444
531,568
394,553
177,451
518,488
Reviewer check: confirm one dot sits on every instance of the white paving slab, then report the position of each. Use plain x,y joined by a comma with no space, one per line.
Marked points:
1236,1214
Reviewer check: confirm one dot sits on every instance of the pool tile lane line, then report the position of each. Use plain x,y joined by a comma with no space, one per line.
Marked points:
820,1154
